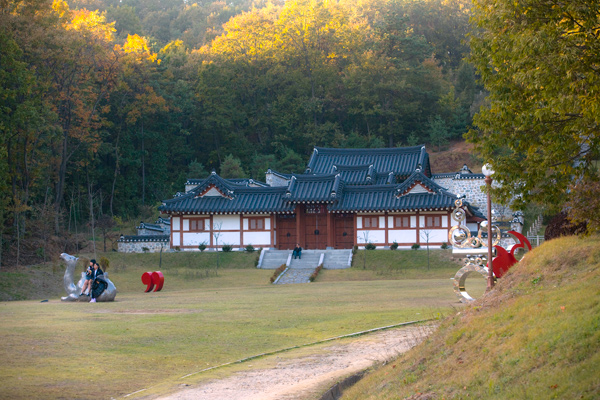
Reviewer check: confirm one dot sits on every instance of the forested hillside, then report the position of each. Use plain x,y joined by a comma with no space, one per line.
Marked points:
108,106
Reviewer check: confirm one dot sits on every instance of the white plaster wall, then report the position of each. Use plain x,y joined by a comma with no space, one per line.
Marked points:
374,236
246,224
232,238
194,239
176,241
403,236
436,236
229,222
257,238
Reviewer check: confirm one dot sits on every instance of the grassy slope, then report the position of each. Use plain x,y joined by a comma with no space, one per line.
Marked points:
200,319
536,336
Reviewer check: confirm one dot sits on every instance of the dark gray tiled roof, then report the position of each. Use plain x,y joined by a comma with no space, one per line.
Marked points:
151,227
385,198
314,188
356,174
144,238
400,160
238,200
346,179
418,177
236,181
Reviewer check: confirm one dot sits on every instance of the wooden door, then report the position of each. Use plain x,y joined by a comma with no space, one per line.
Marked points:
344,231
315,218
286,231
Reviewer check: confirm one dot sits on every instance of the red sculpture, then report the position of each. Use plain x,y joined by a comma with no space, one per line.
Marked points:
504,260
150,279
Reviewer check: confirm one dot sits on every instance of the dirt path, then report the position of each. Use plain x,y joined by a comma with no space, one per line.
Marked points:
308,376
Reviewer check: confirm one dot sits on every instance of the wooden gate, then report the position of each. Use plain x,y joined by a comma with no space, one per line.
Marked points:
344,231
286,231
315,232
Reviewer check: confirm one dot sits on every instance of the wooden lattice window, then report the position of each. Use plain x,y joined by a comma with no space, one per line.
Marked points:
198,224
256,224
433,221
402,221
370,222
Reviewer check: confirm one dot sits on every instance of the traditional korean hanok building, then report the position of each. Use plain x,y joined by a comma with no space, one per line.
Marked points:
346,197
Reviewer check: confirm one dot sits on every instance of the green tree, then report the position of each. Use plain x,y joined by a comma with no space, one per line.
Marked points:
438,133
539,61
231,167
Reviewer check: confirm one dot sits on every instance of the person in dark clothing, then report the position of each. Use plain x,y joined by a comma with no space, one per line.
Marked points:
297,251
87,285
99,284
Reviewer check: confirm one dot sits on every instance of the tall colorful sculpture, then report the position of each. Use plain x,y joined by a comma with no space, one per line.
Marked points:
474,250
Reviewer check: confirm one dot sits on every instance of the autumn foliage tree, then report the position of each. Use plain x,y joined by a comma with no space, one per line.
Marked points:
106,108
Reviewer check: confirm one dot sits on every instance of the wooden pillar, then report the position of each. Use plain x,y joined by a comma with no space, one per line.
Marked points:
181,231
300,225
418,228
386,225
210,232
273,244
355,230
242,230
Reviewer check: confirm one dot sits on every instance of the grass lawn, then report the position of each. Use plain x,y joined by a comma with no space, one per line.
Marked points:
535,336
202,318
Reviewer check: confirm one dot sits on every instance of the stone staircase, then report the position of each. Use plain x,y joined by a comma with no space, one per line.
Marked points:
299,270
332,259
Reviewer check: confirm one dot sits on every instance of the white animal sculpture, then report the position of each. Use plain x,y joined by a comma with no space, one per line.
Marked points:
73,290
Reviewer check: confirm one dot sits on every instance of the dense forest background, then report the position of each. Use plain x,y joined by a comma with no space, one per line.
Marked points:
107,106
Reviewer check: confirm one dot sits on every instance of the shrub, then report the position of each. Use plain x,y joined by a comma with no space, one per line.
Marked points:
445,246
415,246
202,246
250,248
313,276
354,249
370,246
227,247
104,263
145,249
277,272
177,248
394,246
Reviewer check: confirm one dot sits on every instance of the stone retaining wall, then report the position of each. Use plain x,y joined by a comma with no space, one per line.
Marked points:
143,244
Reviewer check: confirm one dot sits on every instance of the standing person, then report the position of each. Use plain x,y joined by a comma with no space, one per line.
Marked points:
297,251
87,285
99,284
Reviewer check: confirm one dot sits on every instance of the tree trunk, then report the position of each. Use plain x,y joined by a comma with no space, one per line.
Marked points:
143,169
60,184
91,199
